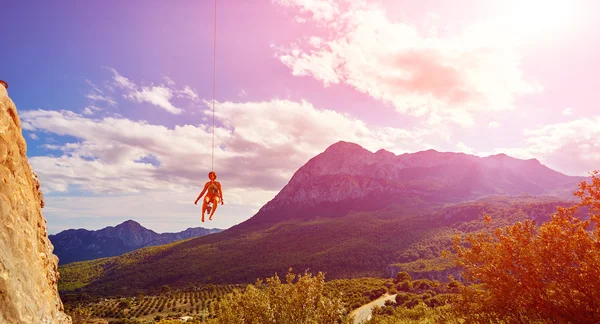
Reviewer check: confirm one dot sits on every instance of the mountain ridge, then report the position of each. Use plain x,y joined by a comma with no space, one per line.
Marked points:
81,244
355,175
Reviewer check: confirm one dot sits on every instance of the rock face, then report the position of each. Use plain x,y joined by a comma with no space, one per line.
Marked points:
28,268
80,244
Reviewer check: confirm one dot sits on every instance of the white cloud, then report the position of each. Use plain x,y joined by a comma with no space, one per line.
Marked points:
419,73
300,20
250,153
462,147
99,97
96,94
90,110
169,81
157,95
122,82
326,10
573,147
567,111
187,92
494,124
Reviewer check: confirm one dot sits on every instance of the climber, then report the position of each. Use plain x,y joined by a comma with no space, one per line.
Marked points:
213,196
4,84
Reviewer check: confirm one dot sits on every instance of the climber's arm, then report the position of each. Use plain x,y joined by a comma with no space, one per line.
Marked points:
202,193
221,193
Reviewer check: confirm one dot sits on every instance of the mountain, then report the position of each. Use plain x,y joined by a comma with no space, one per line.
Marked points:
81,244
349,212
348,177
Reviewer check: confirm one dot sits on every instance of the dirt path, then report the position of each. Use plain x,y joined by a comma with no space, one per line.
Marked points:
363,313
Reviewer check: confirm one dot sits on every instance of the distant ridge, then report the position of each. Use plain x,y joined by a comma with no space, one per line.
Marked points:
81,244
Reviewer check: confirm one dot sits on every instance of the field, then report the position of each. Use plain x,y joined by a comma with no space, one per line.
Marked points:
200,302
196,302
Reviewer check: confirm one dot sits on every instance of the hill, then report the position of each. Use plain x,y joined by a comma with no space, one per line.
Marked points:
351,213
81,244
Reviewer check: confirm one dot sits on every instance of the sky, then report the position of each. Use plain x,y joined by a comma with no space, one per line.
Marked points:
115,97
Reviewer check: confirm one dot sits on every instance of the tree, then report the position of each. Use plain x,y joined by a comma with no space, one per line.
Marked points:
402,276
525,273
404,286
300,299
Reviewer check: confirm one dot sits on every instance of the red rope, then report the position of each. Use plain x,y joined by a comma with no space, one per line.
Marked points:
214,84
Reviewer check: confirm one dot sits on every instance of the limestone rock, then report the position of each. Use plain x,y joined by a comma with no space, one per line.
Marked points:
28,268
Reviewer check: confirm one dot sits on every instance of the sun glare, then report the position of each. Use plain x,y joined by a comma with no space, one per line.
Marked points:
542,15
539,19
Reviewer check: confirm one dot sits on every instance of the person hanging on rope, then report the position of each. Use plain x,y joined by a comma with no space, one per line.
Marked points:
214,195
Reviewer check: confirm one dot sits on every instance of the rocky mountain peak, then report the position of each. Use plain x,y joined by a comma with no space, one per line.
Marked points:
347,175
130,225
344,147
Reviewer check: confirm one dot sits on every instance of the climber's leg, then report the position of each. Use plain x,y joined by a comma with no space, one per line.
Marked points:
209,204
204,203
215,204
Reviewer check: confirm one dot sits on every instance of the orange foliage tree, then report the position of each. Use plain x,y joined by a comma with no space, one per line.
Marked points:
524,273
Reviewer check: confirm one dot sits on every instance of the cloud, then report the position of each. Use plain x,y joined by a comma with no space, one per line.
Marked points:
157,95
187,92
567,111
494,124
450,78
90,110
320,10
96,94
573,147
462,147
122,82
259,146
99,97
169,81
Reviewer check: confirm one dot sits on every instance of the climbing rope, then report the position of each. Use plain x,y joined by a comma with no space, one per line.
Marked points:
214,83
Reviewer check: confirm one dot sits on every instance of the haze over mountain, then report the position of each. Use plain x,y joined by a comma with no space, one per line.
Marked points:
81,244
349,212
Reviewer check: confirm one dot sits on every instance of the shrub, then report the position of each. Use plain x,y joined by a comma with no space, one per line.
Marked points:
299,300
402,276
536,274
404,286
